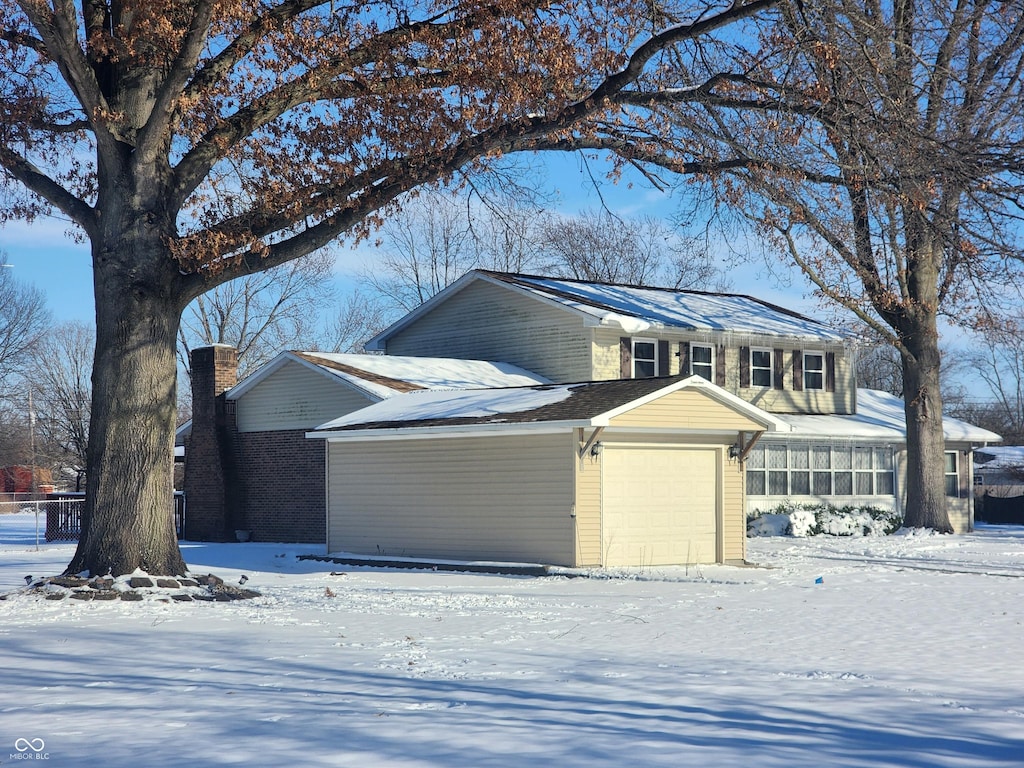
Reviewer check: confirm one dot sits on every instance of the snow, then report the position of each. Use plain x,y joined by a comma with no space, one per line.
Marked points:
694,310
428,372
858,653
1000,457
881,416
427,404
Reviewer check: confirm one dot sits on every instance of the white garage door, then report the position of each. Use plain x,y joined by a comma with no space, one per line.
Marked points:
659,506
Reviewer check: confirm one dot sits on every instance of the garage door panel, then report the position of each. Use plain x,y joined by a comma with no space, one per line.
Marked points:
660,506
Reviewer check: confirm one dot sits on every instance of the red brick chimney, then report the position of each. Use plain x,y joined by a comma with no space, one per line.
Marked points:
208,457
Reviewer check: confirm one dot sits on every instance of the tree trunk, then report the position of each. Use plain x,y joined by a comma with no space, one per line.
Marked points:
128,520
926,486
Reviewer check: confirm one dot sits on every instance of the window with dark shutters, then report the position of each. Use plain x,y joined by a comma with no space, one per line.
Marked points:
779,378
830,371
744,366
720,365
798,370
663,368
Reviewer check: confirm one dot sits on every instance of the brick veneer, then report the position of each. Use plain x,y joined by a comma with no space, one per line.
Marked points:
283,494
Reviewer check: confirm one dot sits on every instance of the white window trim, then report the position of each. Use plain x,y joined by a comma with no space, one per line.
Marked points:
955,473
711,348
771,367
633,358
819,354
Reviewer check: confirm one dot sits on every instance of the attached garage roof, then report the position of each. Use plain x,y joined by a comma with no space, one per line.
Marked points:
582,404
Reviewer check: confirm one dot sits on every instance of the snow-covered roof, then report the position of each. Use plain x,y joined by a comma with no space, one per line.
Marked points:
383,376
880,416
999,457
636,309
580,404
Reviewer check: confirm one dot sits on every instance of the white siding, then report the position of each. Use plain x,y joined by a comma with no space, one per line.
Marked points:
477,498
295,397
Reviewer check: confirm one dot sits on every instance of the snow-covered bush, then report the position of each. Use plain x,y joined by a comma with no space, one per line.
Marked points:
789,519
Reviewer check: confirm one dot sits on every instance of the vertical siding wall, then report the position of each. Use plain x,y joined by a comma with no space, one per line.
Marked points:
502,498
488,322
588,509
295,397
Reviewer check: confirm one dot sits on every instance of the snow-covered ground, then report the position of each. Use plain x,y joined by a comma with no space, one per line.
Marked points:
907,653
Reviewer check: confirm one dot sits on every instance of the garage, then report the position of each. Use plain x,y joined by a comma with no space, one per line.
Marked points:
660,505
626,472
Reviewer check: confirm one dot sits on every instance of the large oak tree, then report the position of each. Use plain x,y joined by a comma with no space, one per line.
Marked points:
196,141
878,145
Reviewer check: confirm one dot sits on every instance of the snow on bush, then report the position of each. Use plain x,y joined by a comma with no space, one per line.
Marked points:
815,519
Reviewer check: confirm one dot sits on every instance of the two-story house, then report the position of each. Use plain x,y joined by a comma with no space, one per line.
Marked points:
839,445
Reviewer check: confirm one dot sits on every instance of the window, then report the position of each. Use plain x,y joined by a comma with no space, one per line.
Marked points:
775,469
814,370
702,361
952,475
760,368
645,358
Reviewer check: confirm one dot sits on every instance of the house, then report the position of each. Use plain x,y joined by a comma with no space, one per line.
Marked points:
999,484
842,445
586,474
664,405
248,466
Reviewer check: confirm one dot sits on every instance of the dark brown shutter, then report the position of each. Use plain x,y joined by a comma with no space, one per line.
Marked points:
798,371
744,366
830,371
779,364
625,358
720,366
662,358
684,359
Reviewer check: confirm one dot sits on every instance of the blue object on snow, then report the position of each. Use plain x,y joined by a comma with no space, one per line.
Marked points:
820,580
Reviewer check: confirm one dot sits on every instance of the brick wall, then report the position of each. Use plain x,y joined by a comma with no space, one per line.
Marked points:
283,489
207,453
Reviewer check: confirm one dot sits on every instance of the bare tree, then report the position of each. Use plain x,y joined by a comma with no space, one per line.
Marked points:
601,246
262,313
994,361
359,317
194,142
879,147
60,380
23,320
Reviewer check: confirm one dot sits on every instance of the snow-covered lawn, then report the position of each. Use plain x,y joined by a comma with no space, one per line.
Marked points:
908,653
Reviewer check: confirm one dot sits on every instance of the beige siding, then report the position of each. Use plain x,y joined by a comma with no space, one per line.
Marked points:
734,519
478,498
488,322
295,397
588,510
686,409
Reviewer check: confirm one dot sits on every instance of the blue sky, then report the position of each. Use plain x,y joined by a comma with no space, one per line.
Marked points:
43,254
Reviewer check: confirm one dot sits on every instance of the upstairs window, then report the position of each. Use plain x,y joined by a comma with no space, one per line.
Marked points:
645,358
761,368
702,361
814,370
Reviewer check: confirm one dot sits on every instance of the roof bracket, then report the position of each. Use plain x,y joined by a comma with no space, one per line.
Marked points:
594,436
741,450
